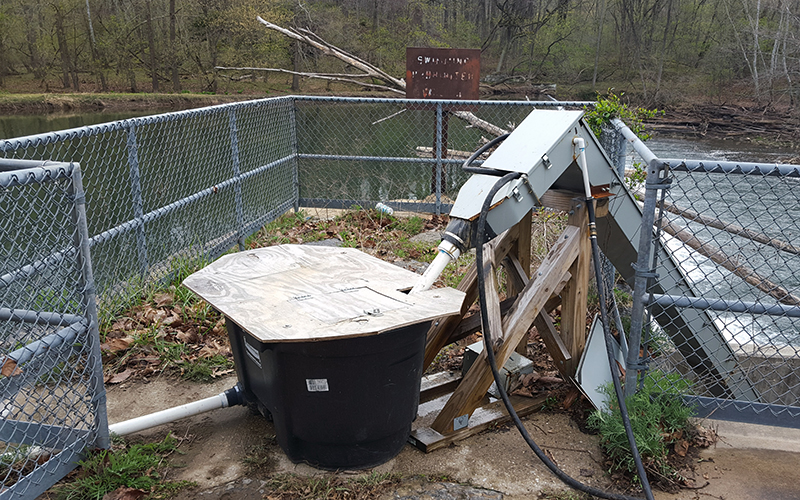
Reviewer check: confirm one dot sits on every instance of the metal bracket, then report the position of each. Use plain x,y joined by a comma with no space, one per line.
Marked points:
649,273
664,184
460,422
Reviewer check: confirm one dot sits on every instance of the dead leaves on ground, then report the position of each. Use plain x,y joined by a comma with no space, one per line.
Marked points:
534,383
160,334
125,493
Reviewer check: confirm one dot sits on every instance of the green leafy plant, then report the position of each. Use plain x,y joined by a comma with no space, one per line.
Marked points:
138,466
635,177
658,416
610,106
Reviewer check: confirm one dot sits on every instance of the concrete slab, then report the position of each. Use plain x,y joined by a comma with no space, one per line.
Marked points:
749,462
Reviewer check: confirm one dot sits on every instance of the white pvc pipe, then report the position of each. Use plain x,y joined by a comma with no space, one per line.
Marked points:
580,145
166,416
447,253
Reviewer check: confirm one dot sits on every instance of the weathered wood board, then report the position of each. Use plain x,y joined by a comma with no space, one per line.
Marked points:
299,293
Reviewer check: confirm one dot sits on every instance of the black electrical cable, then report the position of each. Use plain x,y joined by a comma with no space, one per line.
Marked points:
485,171
623,409
487,339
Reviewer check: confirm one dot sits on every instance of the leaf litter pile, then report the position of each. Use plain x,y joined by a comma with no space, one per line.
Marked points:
175,332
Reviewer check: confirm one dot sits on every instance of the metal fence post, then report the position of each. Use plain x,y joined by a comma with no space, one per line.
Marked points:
89,297
643,274
295,152
136,199
237,187
438,180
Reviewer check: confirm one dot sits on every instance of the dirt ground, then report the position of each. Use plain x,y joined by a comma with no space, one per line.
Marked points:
751,463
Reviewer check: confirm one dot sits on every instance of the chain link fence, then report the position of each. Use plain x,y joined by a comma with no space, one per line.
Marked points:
165,193
51,383
720,285
404,153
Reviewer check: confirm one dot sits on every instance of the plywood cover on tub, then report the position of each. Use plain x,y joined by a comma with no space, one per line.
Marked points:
296,293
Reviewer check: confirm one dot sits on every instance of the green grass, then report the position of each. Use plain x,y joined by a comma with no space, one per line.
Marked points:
658,418
202,370
139,466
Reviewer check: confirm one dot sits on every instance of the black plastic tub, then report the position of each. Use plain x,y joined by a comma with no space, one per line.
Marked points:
336,404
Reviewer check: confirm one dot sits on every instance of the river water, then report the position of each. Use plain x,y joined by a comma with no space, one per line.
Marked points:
23,125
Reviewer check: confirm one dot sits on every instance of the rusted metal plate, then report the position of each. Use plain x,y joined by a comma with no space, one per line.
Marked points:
442,73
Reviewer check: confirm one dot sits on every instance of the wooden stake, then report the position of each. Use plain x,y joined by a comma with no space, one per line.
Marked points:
573,303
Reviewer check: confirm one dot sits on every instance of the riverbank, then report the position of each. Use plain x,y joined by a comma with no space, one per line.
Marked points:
87,102
737,121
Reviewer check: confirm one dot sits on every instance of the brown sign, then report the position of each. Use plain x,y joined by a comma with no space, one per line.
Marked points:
442,73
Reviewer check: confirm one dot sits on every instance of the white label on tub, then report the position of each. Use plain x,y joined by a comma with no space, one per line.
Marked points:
317,384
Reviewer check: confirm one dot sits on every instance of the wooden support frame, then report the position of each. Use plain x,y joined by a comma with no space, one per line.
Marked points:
564,271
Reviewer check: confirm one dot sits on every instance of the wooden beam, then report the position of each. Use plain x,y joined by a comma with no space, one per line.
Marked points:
492,298
574,295
521,252
437,385
559,199
472,323
427,439
552,341
515,325
442,328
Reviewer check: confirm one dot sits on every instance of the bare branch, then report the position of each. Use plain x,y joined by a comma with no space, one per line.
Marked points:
331,77
333,51
394,84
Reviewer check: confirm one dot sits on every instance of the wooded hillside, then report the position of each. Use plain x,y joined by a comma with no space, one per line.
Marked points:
657,49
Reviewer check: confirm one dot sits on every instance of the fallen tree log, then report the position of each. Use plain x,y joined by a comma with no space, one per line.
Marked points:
730,263
335,77
731,228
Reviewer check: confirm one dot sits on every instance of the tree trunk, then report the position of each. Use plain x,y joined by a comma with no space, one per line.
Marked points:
176,82
151,42
33,22
61,37
601,19
98,66
296,67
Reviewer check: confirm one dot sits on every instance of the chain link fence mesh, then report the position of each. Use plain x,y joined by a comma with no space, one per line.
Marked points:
730,229
52,400
406,154
167,192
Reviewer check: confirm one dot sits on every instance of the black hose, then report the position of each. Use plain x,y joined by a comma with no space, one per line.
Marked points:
466,166
623,409
487,339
